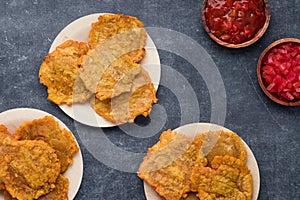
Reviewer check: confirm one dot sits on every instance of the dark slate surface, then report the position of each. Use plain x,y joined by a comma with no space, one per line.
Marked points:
272,131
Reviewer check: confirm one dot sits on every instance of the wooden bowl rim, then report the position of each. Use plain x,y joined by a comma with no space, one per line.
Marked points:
258,35
259,77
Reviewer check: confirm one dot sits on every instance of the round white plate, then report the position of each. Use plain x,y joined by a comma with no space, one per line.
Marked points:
79,30
12,119
191,130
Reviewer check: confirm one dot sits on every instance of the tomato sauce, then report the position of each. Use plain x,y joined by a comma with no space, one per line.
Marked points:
235,21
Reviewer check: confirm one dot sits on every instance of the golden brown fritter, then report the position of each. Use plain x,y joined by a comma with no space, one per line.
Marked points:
102,56
127,106
48,130
5,136
117,78
228,179
168,165
7,196
59,73
60,192
29,169
109,25
221,143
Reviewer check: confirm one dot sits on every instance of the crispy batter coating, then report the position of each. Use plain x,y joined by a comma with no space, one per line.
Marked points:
109,25
117,78
221,143
111,49
228,179
212,164
59,73
28,168
60,191
127,106
5,136
7,196
48,130
168,165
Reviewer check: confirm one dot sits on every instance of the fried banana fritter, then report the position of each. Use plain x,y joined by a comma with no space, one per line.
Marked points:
5,136
60,191
221,143
127,106
213,165
168,165
117,78
29,169
228,178
59,73
110,50
48,130
109,25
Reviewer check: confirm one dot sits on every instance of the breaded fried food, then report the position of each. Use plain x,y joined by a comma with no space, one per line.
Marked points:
48,130
127,106
168,165
109,51
7,196
228,178
29,169
109,25
221,143
5,136
117,78
59,73
60,191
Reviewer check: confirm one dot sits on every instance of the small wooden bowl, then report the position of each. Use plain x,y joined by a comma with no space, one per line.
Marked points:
263,85
258,35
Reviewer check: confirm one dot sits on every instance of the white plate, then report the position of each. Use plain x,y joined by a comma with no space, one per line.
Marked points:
191,130
15,117
79,30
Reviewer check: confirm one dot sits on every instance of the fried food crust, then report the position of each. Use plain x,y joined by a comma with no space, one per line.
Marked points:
109,25
60,191
105,54
59,73
5,137
168,165
228,179
127,106
26,178
117,78
47,129
221,143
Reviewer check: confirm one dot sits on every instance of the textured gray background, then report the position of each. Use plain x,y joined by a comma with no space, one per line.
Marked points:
27,29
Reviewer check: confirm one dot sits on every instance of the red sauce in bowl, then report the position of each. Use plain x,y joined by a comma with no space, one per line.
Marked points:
235,21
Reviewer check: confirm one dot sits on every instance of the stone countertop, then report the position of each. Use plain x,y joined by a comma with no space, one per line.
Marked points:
28,29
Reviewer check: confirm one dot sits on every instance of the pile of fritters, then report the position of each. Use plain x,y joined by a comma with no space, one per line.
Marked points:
107,69
33,159
212,165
